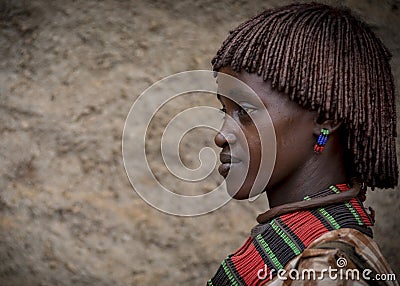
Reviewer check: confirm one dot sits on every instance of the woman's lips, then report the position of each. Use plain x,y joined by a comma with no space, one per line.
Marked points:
227,161
224,168
227,158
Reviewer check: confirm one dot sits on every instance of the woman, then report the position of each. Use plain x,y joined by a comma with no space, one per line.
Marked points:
325,79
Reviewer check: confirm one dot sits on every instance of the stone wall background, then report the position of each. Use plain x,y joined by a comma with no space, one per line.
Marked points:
69,72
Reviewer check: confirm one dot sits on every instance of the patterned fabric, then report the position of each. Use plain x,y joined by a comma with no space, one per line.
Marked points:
273,245
320,259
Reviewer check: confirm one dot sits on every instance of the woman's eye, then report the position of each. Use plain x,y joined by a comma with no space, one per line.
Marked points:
242,112
245,111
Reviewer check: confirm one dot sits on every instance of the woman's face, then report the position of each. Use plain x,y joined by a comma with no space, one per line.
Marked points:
240,140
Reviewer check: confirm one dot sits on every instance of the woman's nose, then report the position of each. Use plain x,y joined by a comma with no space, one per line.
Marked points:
222,138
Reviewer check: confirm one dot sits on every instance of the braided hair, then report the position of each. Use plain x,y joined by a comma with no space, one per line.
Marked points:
327,61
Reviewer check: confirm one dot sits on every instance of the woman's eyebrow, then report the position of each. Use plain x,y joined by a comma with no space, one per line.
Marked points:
234,92
238,94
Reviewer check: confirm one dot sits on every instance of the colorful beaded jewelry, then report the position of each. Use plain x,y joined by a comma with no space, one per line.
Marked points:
321,141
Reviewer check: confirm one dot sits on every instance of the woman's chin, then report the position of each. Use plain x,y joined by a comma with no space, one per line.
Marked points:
243,191
239,196
237,192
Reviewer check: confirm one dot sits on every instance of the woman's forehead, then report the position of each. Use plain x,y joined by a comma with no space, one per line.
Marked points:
243,86
237,91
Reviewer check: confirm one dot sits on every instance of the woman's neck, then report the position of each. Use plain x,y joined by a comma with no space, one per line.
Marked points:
318,173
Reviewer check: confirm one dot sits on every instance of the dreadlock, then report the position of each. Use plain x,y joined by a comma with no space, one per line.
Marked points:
327,61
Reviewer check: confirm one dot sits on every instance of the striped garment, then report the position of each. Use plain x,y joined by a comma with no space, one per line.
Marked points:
273,245
321,259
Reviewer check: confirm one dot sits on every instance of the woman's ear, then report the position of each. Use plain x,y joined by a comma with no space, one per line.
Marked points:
329,124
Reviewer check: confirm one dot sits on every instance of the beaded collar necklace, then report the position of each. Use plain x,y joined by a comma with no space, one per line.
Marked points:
273,244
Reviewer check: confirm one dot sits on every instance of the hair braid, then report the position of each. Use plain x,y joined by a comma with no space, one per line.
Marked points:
328,61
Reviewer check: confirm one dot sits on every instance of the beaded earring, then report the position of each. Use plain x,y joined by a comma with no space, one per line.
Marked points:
321,141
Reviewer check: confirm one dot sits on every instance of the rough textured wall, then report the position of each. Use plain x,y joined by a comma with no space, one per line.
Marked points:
69,72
